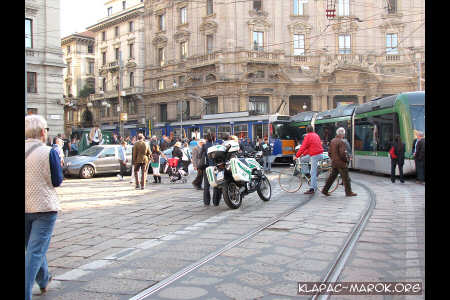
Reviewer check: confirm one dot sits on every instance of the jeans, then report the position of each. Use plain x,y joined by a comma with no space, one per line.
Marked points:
267,163
38,231
305,168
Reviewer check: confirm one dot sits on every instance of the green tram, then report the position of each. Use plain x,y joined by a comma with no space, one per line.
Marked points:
370,128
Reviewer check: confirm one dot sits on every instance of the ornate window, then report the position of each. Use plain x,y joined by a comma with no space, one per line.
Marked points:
161,22
299,44
345,44
183,50
124,4
160,83
298,7
90,48
209,7
130,50
391,43
209,43
117,53
116,31
104,36
31,82
131,79
183,15
28,33
257,5
109,11
103,58
343,7
392,6
131,26
161,57
258,40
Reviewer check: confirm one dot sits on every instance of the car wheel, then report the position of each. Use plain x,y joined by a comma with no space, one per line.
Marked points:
86,172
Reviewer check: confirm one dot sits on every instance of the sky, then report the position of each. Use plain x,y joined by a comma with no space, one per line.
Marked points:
76,15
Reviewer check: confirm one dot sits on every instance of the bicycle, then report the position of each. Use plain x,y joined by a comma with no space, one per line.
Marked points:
291,180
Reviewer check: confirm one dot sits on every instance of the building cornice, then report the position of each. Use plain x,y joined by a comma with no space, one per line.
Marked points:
120,18
77,38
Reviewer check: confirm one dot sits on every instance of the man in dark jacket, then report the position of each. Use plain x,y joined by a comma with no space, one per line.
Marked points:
419,158
196,156
140,156
338,153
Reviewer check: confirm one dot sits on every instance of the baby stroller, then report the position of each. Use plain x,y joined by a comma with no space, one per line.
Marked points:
175,173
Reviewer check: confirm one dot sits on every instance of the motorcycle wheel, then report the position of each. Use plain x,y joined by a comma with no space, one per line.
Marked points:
231,195
265,190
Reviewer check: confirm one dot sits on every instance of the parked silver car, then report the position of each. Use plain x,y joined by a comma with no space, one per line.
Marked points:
98,159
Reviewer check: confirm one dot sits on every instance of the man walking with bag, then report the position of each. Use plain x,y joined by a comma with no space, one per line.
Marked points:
43,172
339,158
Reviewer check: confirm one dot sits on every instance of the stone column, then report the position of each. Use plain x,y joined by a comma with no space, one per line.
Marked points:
360,99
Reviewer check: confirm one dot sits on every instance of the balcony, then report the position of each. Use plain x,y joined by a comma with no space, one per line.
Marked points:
392,58
263,57
202,60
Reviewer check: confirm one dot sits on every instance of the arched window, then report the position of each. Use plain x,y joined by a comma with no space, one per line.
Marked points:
131,79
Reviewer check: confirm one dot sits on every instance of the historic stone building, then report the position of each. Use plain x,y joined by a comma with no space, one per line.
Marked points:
120,35
44,63
79,78
256,57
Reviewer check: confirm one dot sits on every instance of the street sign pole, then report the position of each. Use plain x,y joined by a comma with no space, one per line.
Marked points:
120,99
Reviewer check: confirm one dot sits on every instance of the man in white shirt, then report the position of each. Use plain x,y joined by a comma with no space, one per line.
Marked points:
95,136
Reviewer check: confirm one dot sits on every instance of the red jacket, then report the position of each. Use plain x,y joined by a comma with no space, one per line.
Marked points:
311,145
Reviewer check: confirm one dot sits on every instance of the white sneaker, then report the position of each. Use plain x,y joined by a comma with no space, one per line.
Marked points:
120,177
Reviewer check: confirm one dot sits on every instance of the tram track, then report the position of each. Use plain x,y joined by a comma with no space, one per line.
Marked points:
338,264
169,280
332,274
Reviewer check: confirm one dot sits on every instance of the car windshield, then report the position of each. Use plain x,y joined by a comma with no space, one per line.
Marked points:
92,151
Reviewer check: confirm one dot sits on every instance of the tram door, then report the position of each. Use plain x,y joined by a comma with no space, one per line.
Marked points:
260,131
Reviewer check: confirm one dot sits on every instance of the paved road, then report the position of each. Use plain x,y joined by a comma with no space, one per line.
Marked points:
112,241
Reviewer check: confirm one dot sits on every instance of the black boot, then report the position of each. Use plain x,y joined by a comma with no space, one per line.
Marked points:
159,179
155,179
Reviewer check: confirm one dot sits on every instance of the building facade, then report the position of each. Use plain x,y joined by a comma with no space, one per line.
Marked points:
119,37
79,77
44,63
254,58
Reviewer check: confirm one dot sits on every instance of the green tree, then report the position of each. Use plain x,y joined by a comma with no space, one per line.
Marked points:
86,91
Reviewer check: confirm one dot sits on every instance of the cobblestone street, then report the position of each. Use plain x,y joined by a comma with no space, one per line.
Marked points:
114,242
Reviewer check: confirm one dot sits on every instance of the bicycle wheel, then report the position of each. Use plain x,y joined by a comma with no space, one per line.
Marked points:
322,179
288,182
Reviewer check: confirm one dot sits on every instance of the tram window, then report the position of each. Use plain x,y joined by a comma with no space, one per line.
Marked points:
418,117
364,132
326,133
208,129
385,131
376,133
223,131
241,131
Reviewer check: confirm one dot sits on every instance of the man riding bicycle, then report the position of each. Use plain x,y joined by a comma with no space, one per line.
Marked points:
311,150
